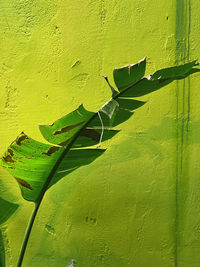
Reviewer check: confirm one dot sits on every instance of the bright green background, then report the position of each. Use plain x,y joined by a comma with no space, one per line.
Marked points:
137,205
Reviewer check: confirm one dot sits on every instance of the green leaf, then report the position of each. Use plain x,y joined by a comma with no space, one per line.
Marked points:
30,162
61,131
110,108
129,104
34,164
113,91
74,159
90,137
128,75
121,116
7,209
37,166
159,79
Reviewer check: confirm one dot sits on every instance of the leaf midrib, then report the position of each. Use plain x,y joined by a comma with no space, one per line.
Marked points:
68,147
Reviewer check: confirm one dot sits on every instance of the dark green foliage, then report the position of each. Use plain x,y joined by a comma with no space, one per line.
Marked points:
33,163
37,166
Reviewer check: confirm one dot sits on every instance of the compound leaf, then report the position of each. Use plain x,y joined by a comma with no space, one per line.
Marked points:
37,166
30,162
159,79
127,76
61,131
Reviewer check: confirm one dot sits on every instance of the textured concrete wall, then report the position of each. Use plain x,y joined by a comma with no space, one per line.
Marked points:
137,205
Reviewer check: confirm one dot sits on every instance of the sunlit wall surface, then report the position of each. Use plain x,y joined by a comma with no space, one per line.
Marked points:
138,204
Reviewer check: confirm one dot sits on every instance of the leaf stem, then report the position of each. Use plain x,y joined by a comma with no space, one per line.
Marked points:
44,189
27,235
46,185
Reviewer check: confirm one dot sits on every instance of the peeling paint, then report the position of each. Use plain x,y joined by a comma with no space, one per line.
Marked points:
76,63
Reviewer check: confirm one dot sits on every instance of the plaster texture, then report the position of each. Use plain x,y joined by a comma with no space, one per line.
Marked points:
138,204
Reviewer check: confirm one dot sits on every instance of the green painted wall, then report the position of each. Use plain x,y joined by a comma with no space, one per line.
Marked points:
137,205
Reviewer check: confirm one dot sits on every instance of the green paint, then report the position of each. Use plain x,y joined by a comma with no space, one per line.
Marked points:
37,166
2,250
182,54
7,210
40,82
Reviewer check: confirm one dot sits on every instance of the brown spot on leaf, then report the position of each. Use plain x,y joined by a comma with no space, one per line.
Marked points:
24,183
68,128
20,139
8,158
11,152
51,150
91,133
65,142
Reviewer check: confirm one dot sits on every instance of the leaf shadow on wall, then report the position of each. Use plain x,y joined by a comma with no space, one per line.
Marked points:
133,147
150,141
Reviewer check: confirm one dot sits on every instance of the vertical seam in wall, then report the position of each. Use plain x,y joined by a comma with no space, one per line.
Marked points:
182,38
188,55
176,186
